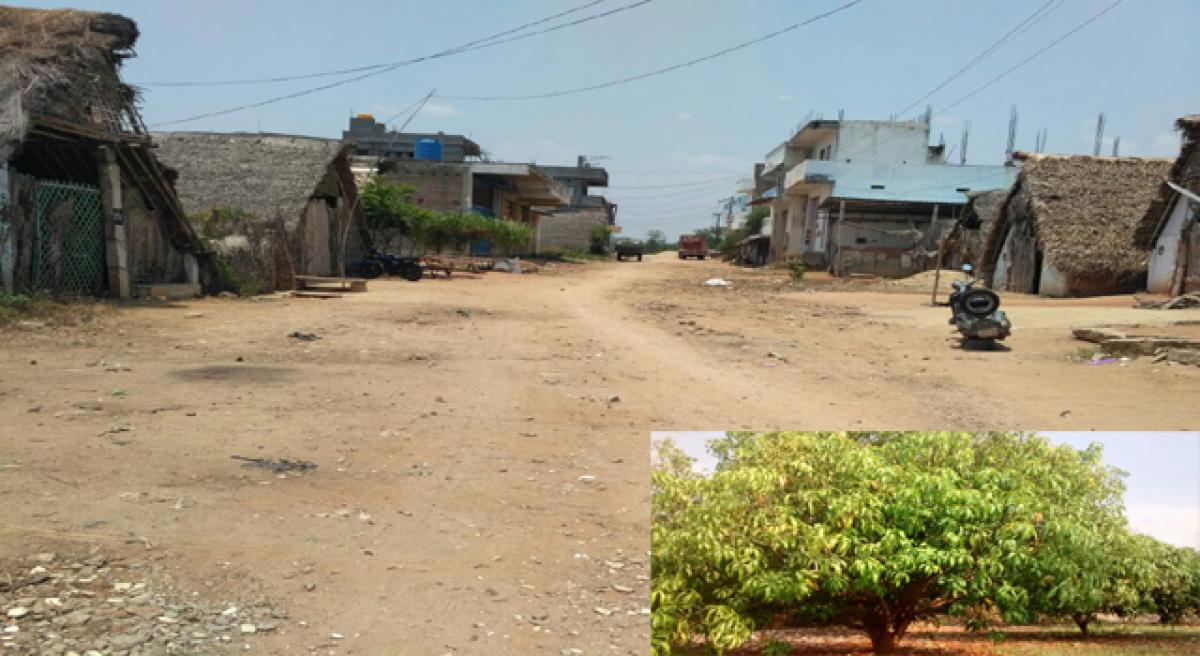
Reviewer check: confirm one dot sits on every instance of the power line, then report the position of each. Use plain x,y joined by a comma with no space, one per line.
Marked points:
388,68
1034,55
359,69
666,69
989,83
678,184
1029,21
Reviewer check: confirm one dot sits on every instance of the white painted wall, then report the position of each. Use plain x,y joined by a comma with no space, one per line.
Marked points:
1053,283
1000,275
1162,258
882,141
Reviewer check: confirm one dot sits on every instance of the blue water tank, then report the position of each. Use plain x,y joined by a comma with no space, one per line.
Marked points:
428,149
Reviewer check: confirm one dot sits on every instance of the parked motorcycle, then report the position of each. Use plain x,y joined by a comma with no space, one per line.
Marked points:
976,312
375,264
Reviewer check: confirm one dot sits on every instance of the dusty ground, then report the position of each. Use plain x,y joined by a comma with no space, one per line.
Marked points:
482,444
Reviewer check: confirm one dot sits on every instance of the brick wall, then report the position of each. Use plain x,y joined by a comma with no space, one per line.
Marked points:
440,185
569,229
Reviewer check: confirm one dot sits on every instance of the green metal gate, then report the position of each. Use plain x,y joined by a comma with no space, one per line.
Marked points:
68,247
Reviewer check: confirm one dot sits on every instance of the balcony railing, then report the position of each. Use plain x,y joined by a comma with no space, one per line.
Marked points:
810,171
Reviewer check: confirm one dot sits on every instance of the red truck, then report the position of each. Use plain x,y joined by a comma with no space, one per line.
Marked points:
693,246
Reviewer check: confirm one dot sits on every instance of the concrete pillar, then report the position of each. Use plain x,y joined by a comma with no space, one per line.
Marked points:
116,253
191,268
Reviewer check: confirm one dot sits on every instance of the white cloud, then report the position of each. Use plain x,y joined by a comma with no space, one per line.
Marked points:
783,97
1165,144
439,109
1178,524
684,116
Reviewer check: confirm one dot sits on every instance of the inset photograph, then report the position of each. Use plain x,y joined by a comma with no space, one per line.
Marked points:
931,543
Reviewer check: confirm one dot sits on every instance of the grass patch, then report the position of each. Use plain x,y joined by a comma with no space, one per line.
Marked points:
58,311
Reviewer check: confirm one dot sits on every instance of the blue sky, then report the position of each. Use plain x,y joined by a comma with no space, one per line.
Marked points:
1162,496
701,123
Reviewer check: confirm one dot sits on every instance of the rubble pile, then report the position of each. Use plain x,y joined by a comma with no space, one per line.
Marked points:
59,606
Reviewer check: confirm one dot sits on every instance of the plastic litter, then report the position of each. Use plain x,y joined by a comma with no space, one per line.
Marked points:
717,282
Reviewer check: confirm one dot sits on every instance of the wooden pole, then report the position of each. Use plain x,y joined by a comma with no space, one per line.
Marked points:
116,252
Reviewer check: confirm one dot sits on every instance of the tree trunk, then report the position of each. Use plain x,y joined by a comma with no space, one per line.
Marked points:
883,641
1082,620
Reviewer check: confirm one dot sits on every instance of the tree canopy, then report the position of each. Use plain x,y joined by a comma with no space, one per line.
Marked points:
877,530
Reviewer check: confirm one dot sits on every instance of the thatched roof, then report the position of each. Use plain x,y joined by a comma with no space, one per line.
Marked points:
268,175
64,64
1085,210
1185,172
983,207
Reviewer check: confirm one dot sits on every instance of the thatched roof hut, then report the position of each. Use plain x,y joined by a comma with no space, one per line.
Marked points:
965,241
1067,227
71,136
268,175
1169,229
64,64
299,188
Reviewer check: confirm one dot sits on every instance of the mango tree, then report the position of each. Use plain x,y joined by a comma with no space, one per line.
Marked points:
868,530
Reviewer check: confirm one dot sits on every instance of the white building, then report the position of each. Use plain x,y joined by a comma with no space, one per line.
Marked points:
866,196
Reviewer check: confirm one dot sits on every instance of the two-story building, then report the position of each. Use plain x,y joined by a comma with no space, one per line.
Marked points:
449,176
571,226
865,196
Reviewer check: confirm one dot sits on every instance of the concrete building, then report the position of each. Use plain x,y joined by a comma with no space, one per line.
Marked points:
865,196
571,226
514,191
369,137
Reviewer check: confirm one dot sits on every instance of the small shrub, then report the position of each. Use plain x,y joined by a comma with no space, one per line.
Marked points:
15,302
776,648
797,270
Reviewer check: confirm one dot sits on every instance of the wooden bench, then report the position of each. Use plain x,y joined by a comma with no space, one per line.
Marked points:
323,282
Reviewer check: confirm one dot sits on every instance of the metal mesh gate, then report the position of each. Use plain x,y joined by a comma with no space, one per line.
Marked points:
68,256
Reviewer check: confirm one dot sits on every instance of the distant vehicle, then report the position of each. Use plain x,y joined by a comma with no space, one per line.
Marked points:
629,248
693,246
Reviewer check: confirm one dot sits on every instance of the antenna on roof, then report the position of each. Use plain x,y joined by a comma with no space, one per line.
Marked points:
1099,134
962,149
1117,146
928,118
1012,134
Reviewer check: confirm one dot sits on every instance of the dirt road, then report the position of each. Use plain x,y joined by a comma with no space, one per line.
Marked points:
482,443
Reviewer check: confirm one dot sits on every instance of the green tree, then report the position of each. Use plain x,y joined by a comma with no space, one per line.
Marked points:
1172,587
672,459
389,209
868,530
656,242
755,219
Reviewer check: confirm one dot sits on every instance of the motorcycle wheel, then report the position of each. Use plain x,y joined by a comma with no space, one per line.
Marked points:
369,269
979,302
411,272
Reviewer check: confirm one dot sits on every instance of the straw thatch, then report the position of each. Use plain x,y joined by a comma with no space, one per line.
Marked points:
1185,172
965,242
64,64
271,176
1084,211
